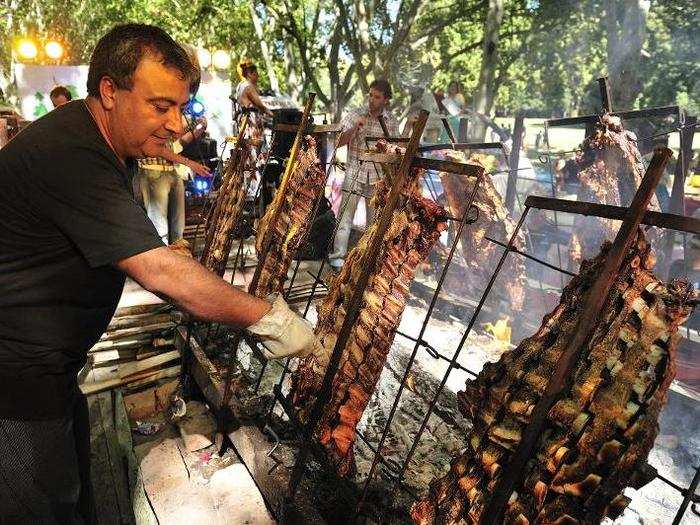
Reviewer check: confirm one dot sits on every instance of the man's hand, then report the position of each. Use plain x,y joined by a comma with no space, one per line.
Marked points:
201,123
199,169
357,128
283,332
349,134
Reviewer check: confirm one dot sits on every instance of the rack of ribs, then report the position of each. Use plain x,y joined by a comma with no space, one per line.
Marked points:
415,227
610,170
292,211
226,212
598,435
494,221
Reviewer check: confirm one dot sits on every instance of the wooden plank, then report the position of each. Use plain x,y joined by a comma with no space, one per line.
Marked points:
594,302
140,309
147,340
120,480
134,321
142,510
650,218
132,372
130,332
100,468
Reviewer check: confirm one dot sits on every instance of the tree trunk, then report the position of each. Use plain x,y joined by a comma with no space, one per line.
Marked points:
264,49
290,66
485,93
626,29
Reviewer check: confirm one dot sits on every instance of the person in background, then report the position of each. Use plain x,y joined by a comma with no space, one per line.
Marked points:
454,99
248,97
59,96
247,93
360,178
160,187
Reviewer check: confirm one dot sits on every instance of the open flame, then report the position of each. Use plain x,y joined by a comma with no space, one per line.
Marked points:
501,331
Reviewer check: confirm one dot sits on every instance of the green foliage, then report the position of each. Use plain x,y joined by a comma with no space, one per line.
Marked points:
550,52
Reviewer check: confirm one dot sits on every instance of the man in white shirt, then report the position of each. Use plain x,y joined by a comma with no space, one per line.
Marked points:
360,178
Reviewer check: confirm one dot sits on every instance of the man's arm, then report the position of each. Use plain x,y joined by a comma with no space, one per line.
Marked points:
198,168
193,288
348,134
195,133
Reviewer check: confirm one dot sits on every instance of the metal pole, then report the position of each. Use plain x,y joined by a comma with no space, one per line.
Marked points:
514,161
605,94
688,497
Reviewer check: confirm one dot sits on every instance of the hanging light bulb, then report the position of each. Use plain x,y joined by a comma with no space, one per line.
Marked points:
221,59
54,50
204,57
26,49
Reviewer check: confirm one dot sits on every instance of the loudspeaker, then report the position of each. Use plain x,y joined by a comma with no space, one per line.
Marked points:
284,139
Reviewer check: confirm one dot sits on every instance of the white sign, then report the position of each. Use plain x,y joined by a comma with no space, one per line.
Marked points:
35,82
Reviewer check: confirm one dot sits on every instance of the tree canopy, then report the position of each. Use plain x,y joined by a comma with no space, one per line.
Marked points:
540,56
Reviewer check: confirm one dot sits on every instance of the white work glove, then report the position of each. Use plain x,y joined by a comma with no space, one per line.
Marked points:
283,332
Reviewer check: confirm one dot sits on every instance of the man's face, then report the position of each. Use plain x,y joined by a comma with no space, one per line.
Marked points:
253,77
145,117
58,100
376,101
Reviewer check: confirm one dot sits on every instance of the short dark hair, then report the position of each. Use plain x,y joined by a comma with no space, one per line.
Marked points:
60,91
119,52
382,84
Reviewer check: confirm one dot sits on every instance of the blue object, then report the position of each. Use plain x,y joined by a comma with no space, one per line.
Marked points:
200,185
195,108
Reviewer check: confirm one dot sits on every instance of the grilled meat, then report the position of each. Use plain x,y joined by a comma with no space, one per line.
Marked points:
415,227
599,434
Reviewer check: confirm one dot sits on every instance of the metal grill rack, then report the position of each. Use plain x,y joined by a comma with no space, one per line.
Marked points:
397,471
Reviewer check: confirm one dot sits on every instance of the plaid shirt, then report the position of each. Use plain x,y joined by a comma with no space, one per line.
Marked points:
355,170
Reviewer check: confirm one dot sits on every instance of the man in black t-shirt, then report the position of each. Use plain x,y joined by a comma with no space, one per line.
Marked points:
71,231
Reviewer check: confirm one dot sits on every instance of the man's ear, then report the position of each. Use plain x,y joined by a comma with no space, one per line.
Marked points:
108,90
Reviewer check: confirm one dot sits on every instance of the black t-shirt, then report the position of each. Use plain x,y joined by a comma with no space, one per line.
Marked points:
67,211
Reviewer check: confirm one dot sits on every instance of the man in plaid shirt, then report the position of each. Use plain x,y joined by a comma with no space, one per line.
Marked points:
360,178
